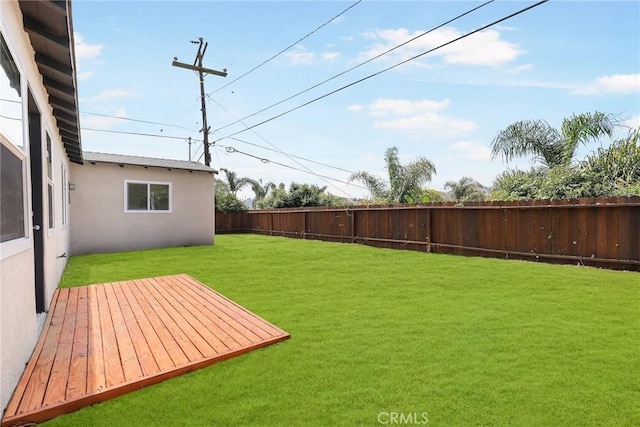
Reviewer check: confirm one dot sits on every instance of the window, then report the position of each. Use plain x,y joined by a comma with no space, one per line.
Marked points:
50,200
64,183
11,99
147,196
49,168
12,195
13,183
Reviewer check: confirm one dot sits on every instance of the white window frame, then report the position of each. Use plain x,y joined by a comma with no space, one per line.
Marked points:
51,208
51,195
64,185
12,247
148,183
20,149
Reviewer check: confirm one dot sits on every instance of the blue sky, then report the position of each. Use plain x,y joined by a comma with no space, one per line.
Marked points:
560,58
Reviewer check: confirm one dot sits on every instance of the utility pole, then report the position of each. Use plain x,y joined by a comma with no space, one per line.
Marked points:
197,66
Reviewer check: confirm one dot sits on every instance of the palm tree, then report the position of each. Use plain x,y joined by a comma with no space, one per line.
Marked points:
260,190
404,180
466,189
234,183
550,146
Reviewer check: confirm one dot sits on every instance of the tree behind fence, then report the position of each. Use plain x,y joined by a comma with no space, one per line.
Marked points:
603,232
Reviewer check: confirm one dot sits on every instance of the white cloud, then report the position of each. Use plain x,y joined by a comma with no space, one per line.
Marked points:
85,50
330,55
114,93
102,122
400,107
471,150
485,48
111,94
518,69
622,84
421,115
300,57
438,124
355,108
632,122
85,75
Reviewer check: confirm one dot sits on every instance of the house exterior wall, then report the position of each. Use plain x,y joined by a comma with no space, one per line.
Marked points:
18,317
100,223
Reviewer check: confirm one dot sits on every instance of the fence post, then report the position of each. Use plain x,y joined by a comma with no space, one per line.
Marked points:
271,225
304,225
428,229
353,225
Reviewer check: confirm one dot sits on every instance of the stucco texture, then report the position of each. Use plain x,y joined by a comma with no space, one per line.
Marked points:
100,224
18,317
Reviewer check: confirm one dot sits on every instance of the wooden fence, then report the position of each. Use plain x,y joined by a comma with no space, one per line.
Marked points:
603,232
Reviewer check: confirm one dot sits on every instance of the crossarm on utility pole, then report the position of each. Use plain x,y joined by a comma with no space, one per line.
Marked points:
197,66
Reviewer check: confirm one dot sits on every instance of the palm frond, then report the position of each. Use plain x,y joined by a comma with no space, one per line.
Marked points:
528,137
376,186
583,128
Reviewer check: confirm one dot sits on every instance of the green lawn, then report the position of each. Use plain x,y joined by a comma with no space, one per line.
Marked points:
469,341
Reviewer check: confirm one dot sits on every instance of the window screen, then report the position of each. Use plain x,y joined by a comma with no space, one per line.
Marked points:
148,197
11,196
11,104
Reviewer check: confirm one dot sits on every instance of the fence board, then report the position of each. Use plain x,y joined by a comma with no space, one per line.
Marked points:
603,232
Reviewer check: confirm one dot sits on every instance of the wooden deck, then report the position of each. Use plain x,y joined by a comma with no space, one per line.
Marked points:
102,341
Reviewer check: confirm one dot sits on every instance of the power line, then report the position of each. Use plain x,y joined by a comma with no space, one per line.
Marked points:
358,65
199,147
138,120
183,138
387,69
287,48
264,160
280,151
293,155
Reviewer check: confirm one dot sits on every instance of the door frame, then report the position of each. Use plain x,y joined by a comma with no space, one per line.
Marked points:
37,200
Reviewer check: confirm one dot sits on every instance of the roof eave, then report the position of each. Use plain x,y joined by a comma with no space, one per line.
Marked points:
50,28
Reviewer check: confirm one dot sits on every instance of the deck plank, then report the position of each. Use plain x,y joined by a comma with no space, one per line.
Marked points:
169,344
113,371
128,357
249,321
239,311
102,341
37,385
221,339
226,334
77,382
57,386
144,355
160,356
19,393
182,319
199,323
177,333
96,378
239,323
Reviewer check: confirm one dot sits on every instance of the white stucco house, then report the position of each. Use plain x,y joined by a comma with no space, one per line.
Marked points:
56,200
121,203
39,140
